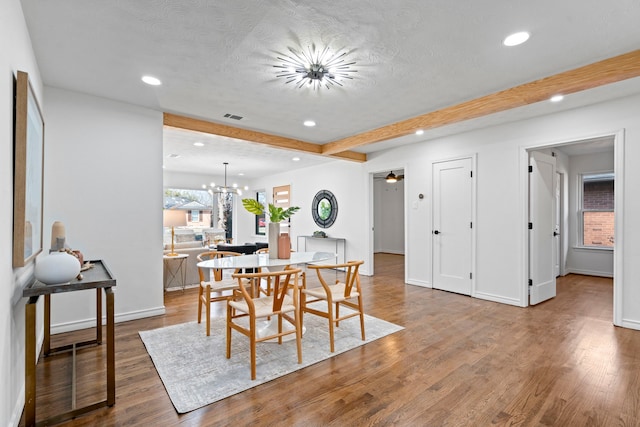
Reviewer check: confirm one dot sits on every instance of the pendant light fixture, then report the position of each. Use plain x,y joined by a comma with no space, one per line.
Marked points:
391,178
225,189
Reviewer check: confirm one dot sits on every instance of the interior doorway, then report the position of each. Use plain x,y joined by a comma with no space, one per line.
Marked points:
387,216
582,158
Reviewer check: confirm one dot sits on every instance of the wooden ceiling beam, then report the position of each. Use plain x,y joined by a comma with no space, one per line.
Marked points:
198,125
600,73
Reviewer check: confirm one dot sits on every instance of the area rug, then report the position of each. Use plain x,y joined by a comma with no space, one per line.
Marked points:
196,372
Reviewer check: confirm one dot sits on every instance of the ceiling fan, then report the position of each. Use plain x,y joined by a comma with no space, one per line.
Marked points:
391,177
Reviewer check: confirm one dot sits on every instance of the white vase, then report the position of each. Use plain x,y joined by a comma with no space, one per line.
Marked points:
274,233
57,268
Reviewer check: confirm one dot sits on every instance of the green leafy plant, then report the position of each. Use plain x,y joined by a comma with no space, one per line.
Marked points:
276,214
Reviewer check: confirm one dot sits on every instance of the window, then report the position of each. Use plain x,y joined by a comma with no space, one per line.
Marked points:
261,226
195,215
597,210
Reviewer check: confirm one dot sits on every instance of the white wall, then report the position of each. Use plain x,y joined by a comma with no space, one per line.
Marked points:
388,214
596,262
344,179
103,180
17,54
501,201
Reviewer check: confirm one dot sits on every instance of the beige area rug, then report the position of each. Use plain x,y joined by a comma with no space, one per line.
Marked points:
196,372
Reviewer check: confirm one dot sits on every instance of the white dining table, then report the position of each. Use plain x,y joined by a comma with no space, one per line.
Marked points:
263,261
267,327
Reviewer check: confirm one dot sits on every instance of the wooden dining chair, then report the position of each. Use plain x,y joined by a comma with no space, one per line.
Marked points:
266,289
212,285
278,307
347,293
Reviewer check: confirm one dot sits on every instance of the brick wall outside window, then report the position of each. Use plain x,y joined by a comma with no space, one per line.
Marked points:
598,226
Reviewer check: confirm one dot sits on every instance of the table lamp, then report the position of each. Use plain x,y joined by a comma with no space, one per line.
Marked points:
173,218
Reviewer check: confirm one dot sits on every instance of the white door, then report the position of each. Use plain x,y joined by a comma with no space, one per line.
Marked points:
452,216
556,233
542,226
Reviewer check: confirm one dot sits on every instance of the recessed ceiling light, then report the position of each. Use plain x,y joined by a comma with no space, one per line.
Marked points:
246,187
150,80
241,174
296,159
309,123
556,98
419,132
516,38
199,144
212,184
204,186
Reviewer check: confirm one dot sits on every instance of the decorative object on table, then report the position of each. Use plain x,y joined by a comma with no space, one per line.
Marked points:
284,246
276,215
173,218
57,268
319,234
324,208
58,236
28,173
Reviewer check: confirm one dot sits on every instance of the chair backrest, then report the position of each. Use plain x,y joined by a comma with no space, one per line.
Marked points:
282,281
352,275
217,272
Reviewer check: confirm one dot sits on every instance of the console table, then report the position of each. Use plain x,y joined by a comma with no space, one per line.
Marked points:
339,245
99,278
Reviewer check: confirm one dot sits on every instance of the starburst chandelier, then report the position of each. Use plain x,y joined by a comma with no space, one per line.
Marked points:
314,68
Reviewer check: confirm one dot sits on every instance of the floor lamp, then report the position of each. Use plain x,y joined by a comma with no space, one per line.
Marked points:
173,218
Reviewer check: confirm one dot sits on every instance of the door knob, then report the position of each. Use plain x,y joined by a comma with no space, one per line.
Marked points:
436,232
555,233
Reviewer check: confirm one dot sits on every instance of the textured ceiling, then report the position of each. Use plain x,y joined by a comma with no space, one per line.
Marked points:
412,57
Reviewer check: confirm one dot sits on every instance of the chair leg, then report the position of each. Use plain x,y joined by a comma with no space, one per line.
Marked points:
252,339
331,322
200,304
208,309
228,331
361,316
298,319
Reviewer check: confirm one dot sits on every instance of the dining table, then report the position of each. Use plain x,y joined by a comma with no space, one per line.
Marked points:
262,260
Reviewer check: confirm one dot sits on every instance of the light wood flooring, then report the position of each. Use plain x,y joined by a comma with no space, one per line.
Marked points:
459,362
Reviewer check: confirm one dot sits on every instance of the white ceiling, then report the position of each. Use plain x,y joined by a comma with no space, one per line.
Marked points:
412,57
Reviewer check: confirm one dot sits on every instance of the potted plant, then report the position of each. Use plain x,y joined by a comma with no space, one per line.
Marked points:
276,215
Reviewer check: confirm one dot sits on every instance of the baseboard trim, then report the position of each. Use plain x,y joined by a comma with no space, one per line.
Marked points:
590,272
497,298
631,324
417,282
91,323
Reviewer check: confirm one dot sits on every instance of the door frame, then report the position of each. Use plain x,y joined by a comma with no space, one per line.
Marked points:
371,192
618,253
474,216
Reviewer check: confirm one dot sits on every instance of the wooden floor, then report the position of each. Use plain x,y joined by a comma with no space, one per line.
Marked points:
460,361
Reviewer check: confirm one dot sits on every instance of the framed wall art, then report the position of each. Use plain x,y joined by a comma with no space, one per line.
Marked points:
28,173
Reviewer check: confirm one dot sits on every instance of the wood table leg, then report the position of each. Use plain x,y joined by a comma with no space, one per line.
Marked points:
98,316
30,363
46,345
111,350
